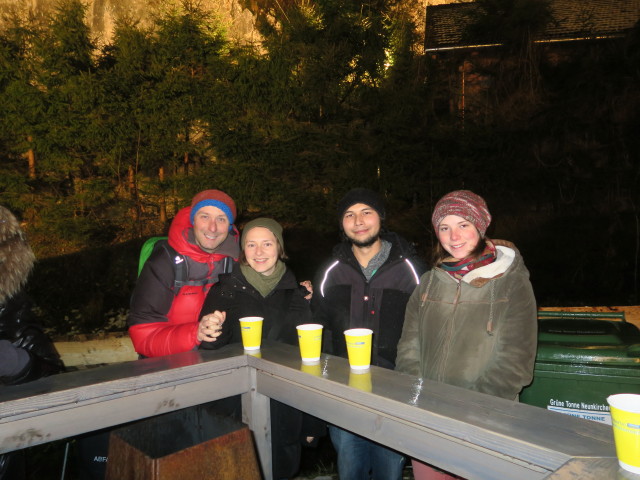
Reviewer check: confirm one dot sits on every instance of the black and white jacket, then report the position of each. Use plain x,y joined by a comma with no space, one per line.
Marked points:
344,299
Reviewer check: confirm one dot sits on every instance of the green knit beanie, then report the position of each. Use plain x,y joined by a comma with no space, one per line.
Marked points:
268,223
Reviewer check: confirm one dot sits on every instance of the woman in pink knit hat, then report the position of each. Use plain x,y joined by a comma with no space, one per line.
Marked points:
472,321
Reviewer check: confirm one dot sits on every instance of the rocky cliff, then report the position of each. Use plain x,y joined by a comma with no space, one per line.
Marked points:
102,14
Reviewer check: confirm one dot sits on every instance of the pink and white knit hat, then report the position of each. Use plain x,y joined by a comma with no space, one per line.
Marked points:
465,204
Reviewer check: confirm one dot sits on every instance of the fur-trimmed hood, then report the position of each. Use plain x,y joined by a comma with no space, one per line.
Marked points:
16,256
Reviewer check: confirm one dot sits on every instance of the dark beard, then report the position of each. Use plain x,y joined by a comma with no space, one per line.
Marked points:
366,243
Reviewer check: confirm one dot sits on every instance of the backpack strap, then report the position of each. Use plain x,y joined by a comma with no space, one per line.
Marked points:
180,267
227,265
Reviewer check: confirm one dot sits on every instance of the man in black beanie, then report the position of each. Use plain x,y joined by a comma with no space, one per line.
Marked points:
366,284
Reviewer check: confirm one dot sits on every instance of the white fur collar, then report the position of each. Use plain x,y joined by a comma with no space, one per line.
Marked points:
504,258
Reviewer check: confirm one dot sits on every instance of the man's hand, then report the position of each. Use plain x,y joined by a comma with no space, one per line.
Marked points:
210,326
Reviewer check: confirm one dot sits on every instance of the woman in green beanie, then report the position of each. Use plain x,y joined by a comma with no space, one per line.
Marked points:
264,286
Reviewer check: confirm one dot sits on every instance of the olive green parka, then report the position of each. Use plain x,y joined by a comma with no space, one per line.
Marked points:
479,333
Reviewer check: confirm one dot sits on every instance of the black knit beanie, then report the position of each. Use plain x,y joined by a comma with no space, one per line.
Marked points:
361,195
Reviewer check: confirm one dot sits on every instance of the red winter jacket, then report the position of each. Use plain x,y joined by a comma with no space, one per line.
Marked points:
160,322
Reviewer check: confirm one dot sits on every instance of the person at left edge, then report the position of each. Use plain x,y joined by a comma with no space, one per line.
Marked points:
26,352
162,323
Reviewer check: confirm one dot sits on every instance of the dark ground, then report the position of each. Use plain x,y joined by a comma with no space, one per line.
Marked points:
46,462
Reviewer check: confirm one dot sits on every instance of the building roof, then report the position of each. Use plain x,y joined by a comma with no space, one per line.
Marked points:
573,20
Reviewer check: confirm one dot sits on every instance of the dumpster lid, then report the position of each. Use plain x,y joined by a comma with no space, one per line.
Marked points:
586,332
588,341
607,355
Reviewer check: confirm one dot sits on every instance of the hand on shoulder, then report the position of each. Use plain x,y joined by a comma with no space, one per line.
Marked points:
307,284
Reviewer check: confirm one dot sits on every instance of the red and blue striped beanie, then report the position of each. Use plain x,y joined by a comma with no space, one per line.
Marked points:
214,198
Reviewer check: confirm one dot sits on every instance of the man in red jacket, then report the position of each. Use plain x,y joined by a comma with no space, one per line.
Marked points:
167,300
163,318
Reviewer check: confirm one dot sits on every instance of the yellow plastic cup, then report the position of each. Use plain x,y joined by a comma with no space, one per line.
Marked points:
625,417
310,340
359,347
251,329
360,379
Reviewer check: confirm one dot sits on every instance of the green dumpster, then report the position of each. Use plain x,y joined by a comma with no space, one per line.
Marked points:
582,359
